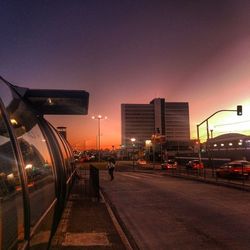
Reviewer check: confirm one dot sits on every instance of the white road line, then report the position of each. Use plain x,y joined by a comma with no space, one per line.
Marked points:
117,225
135,177
142,175
148,175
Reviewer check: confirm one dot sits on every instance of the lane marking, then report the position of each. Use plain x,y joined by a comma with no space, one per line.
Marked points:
142,175
117,224
86,239
149,175
131,176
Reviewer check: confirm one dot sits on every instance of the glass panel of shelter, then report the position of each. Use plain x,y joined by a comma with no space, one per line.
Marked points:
11,196
37,161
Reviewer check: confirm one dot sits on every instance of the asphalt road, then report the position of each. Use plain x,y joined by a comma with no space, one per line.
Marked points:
163,212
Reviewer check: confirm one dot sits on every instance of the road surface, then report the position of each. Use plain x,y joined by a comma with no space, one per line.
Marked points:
163,212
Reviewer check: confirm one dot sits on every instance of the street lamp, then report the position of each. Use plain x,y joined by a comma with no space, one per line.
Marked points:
211,128
99,118
148,145
133,145
211,132
210,152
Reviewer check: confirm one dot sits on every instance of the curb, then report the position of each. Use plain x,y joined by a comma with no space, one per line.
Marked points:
122,230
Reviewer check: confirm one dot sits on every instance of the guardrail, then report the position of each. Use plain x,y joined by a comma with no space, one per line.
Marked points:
209,175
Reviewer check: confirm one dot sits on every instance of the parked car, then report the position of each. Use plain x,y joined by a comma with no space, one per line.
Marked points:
234,169
194,164
141,162
170,164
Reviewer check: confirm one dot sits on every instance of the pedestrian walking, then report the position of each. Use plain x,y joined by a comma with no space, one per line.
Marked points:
111,168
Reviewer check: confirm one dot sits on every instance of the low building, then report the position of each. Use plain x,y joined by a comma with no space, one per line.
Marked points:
232,145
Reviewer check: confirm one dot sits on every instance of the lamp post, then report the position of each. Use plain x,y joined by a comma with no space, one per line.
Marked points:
99,118
211,160
211,131
133,145
148,145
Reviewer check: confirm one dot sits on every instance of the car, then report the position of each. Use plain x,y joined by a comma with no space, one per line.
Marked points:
170,164
37,166
234,169
194,164
141,162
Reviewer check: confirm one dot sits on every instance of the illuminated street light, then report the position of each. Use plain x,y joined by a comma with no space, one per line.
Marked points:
148,145
13,122
133,139
133,145
99,118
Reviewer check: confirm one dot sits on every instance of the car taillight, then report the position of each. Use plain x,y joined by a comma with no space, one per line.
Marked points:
236,170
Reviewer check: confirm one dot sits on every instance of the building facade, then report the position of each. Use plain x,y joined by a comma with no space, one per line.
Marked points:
232,145
170,120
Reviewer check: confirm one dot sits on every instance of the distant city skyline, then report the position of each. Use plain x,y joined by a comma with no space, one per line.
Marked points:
132,52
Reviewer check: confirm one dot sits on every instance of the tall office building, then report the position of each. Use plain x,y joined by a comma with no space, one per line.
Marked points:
169,119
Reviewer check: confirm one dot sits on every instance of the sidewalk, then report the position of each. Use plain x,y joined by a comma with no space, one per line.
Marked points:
86,224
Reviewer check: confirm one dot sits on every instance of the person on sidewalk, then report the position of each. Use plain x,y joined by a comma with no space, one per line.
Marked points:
111,168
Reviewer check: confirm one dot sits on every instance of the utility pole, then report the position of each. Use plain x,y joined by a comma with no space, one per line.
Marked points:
239,113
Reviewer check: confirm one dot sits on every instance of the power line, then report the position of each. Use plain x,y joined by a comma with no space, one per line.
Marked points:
226,124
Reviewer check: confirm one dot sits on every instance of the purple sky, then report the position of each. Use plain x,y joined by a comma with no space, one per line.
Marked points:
131,52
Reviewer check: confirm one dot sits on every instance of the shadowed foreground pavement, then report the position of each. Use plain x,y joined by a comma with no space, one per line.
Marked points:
86,224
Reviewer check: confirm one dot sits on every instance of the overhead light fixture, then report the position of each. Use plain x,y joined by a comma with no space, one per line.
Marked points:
13,121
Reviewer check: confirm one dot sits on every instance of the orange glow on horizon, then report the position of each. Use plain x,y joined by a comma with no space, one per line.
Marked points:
221,123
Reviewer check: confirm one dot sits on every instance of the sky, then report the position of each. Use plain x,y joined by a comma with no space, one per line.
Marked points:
132,51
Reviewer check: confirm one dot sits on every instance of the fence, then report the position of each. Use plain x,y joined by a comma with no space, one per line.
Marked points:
208,174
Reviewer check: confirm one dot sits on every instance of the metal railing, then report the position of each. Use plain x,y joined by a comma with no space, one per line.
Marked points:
207,174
